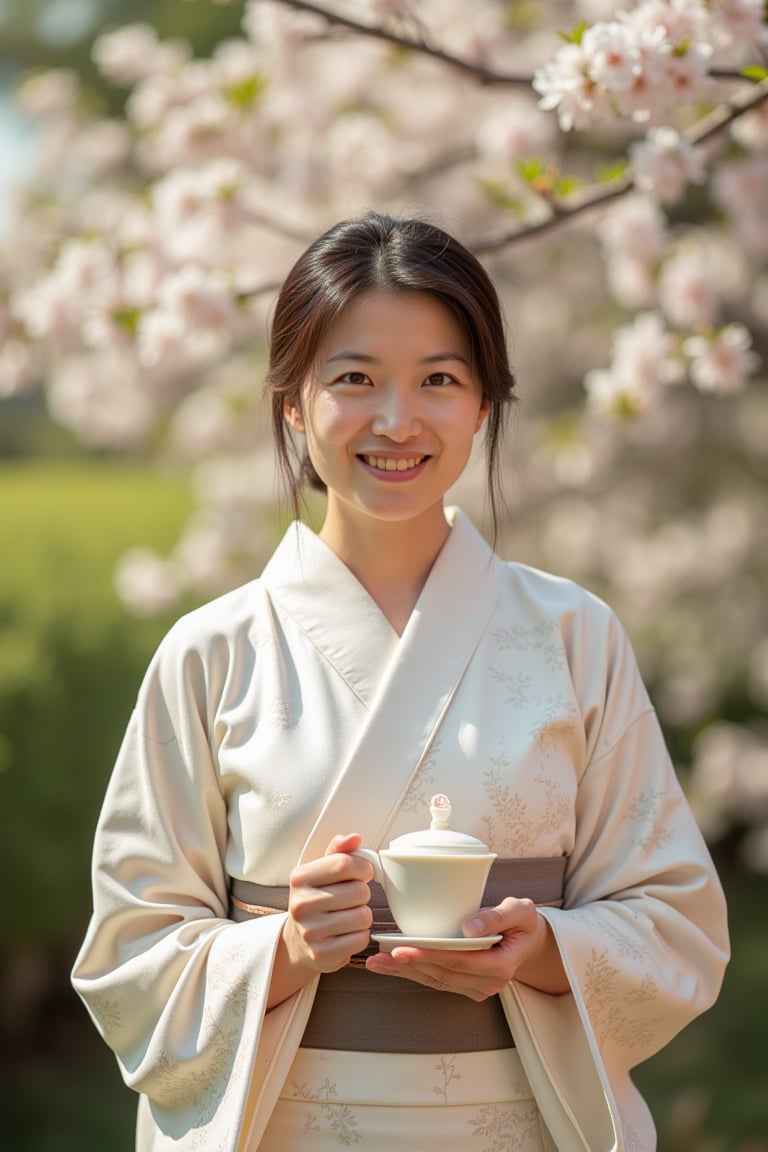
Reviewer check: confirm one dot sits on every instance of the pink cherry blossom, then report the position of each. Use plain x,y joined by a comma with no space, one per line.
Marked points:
611,52
680,21
53,308
738,27
641,363
161,339
50,93
146,583
566,86
685,76
632,282
723,363
19,367
635,227
203,297
730,770
742,185
688,289
665,163
134,52
82,397
514,130
278,30
612,393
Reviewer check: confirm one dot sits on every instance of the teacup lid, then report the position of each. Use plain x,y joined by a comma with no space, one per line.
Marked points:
439,837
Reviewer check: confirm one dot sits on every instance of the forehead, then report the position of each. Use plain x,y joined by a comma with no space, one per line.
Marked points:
405,323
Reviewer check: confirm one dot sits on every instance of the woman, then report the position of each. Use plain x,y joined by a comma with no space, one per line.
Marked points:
228,962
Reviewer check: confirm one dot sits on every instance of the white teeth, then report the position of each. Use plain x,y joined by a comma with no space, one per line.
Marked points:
389,464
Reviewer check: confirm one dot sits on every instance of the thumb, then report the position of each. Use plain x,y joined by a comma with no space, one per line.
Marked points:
480,923
514,912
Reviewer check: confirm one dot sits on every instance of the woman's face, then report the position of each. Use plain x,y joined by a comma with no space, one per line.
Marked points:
392,409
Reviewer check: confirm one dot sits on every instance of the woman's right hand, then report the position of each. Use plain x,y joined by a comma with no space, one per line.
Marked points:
328,917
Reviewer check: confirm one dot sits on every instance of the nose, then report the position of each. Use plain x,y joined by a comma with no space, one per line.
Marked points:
396,415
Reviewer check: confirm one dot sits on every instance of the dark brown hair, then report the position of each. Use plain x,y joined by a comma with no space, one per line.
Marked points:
380,253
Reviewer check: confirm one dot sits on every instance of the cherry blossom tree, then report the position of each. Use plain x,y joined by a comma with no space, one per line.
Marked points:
609,164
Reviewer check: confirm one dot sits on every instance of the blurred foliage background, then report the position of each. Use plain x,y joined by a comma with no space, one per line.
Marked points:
71,659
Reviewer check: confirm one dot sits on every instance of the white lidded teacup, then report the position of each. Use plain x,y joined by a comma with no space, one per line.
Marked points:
433,879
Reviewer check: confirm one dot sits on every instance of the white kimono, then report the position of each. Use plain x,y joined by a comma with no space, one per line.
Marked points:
289,710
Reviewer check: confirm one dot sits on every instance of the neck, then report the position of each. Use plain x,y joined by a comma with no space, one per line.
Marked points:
391,560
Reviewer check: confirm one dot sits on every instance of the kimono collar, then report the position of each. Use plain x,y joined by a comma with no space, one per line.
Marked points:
333,609
415,690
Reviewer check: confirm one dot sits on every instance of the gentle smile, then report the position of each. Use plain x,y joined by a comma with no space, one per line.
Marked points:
390,464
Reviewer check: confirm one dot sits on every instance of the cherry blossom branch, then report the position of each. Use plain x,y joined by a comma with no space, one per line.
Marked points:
376,32
263,220
480,72
596,197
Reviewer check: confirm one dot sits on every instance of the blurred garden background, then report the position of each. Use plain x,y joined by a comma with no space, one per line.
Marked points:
155,184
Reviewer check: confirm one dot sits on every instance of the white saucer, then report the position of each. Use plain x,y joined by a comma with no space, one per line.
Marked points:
390,940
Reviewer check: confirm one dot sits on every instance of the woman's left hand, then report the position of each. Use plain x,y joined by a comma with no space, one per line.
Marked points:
527,952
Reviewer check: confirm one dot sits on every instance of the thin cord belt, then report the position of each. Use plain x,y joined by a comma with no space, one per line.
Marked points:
360,1012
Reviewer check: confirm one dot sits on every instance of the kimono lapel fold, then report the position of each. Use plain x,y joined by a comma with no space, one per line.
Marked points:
332,608
416,689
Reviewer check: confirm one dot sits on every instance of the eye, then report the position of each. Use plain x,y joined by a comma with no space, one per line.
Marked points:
353,378
439,379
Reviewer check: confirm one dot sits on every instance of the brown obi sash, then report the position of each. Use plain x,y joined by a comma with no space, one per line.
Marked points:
357,1011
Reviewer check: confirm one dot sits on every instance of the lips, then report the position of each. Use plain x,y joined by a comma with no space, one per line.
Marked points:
393,463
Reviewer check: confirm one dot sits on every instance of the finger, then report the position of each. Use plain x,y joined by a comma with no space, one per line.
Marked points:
475,986
512,914
307,900
348,842
337,868
324,953
338,925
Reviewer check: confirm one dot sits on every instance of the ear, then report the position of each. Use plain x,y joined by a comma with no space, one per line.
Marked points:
292,415
485,406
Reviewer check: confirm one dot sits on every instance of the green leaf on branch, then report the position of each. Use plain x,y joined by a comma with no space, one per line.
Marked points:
245,93
127,318
564,431
626,407
546,179
607,173
530,170
500,197
681,49
522,16
564,185
576,34
754,72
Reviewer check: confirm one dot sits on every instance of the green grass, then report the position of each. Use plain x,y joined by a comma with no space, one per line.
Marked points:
71,660
86,513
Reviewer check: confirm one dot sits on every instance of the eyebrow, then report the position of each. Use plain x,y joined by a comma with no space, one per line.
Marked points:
436,358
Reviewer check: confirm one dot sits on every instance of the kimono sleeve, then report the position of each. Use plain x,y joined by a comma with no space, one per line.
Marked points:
643,931
176,989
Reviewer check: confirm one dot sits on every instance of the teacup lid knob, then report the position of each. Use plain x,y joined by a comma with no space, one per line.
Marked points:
440,807
439,837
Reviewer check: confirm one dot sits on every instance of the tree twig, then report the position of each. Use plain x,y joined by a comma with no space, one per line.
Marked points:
478,71
596,197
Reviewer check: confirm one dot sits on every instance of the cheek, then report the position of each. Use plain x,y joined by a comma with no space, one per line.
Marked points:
330,422
462,424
